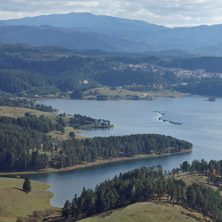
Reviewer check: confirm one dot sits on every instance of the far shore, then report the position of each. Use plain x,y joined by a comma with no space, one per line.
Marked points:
96,163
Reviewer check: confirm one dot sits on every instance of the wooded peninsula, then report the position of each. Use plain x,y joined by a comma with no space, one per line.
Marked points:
25,145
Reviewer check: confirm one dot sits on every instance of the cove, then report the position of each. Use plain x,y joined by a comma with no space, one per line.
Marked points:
201,124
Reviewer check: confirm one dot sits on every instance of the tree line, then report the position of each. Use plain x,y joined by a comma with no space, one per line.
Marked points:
142,185
90,149
22,102
41,123
130,77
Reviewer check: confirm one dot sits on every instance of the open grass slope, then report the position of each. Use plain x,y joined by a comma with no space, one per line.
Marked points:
145,212
15,202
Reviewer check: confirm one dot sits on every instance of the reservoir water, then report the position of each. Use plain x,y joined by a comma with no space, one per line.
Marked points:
201,124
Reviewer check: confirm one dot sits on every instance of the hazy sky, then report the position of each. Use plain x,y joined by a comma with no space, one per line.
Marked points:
163,12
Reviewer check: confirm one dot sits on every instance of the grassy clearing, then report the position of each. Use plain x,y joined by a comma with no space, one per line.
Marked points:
196,178
60,137
16,203
192,178
145,212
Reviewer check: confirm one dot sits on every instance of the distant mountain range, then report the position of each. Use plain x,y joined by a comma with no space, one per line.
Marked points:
88,31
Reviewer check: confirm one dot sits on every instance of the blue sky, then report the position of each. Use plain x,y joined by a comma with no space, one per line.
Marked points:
163,12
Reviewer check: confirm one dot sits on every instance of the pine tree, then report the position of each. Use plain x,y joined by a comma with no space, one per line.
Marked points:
27,185
66,209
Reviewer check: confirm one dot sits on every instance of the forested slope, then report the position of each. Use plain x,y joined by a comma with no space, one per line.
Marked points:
146,184
26,145
33,71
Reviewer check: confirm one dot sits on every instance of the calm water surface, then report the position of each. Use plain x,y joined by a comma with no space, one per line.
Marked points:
201,124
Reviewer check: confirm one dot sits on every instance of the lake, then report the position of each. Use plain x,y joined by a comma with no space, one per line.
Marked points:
201,124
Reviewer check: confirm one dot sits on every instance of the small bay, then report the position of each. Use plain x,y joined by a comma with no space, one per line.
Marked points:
201,124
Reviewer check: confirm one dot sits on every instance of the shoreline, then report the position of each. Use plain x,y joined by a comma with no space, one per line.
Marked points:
12,194
97,163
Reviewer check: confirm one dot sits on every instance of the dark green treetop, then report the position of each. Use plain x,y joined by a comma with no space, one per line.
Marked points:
27,185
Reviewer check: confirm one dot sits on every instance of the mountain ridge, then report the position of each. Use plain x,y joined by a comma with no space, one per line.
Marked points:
88,31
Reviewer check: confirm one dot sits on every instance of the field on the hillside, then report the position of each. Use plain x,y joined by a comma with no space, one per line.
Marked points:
14,202
20,112
145,212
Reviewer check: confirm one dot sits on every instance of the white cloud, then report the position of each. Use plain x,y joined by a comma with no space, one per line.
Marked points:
164,12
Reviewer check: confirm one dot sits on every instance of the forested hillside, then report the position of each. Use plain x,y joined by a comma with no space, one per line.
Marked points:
26,70
21,140
206,87
33,74
210,64
51,71
146,184
89,150
26,145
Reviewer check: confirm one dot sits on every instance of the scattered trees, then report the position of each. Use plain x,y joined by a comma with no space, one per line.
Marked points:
78,121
